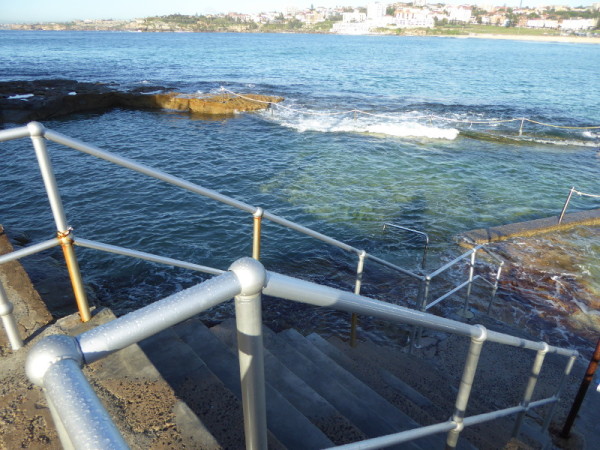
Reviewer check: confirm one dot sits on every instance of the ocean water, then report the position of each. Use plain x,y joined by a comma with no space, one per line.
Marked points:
415,131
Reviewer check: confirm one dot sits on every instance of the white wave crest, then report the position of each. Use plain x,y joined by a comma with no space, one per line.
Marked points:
405,127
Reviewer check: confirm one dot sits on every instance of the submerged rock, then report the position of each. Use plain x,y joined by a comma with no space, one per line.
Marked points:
24,101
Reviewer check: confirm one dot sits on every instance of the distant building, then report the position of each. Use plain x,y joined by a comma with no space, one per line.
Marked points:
542,23
420,3
578,24
353,17
414,18
459,14
375,10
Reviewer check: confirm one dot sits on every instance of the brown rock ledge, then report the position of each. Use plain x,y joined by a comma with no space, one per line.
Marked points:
24,101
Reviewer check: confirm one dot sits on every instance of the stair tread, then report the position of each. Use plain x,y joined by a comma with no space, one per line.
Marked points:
385,376
374,415
291,428
201,390
310,403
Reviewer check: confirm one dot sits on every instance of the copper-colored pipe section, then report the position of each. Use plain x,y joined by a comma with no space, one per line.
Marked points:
258,215
74,274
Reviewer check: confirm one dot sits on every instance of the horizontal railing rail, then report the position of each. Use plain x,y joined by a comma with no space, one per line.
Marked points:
58,358
418,233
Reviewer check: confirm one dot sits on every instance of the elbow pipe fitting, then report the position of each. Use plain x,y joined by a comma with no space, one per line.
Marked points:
251,275
36,129
49,351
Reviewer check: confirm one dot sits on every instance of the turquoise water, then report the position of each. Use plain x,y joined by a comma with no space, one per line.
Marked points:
404,159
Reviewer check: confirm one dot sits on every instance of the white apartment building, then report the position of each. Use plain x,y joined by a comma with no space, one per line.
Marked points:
376,10
542,23
353,17
578,24
414,18
459,14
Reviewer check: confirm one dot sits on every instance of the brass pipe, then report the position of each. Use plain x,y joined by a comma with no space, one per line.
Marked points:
258,215
74,274
359,274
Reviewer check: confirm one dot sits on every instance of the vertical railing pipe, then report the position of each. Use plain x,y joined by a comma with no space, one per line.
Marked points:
557,394
357,286
495,288
8,319
564,210
252,278
533,378
39,144
256,236
465,312
418,331
466,384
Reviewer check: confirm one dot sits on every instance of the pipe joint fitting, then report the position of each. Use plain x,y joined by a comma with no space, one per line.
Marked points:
483,334
251,275
259,213
458,426
6,308
36,129
49,351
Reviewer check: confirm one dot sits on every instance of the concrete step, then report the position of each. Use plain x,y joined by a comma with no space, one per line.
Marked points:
138,396
365,408
385,383
392,388
216,407
435,385
288,425
297,392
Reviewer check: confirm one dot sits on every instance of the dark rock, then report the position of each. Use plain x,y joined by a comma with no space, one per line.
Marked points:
24,101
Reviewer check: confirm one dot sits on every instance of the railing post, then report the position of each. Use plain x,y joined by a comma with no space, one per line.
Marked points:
495,288
466,383
422,305
585,383
39,144
564,210
258,215
357,286
465,313
252,277
8,319
558,393
66,242
533,378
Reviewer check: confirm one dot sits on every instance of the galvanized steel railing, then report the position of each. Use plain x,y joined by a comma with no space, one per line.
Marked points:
65,236
55,362
568,200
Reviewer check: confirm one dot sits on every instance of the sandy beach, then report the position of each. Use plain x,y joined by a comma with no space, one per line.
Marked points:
516,37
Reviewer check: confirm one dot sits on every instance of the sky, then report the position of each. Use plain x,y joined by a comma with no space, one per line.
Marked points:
25,11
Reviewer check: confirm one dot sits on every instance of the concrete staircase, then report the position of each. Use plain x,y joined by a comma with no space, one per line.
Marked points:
319,393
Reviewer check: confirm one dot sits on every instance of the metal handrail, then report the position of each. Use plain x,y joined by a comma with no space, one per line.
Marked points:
61,357
420,233
39,133
566,205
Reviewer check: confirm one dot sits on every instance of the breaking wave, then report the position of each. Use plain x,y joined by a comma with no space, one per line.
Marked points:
402,126
430,124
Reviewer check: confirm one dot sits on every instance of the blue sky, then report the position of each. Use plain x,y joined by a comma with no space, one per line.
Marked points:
21,11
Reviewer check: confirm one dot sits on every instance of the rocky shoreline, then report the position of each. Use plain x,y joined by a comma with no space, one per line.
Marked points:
24,101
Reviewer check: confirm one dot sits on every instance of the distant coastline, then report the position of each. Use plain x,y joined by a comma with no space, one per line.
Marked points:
571,39
520,37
